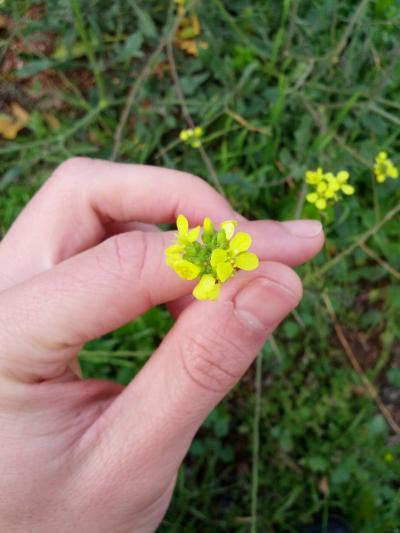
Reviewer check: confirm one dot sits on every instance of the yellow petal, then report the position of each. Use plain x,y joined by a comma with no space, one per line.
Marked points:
184,135
380,178
343,176
182,224
322,186
198,132
224,271
321,203
218,256
381,157
207,288
348,189
185,269
174,249
229,227
311,177
312,197
193,234
208,226
247,261
329,193
240,243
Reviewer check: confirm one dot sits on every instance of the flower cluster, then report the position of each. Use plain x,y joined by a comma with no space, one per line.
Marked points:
192,136
214,260
327,187
384,168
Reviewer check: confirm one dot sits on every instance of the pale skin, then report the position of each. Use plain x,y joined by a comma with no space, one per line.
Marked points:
82,259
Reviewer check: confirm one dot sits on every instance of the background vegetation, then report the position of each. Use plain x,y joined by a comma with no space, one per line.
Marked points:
278,87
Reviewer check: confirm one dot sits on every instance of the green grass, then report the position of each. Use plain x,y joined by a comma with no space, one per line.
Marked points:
281,87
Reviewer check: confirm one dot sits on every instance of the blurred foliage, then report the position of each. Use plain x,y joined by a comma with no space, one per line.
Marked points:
282,86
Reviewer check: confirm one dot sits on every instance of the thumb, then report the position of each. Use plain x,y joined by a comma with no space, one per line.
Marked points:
206,352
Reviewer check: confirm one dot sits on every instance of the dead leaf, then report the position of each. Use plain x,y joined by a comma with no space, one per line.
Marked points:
323,486
188,30
11,125
3,22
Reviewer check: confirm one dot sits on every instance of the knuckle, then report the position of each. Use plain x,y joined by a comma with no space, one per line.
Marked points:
70,167
215,364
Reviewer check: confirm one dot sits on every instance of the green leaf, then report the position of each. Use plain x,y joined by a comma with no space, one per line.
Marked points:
132,46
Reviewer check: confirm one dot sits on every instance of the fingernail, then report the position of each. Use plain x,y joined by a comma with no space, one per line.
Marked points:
303,228
263,303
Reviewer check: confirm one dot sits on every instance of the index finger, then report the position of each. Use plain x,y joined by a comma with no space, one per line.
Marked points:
71,211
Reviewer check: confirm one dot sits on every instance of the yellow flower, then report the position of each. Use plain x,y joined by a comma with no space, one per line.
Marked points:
384,168
327,187
224,262
213,260
229,227
184,135
185,269
341,181
184,235
388,457
317,199
314,177
192,136
207,288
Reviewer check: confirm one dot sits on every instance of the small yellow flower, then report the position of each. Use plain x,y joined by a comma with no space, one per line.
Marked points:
314,177
192,136
341,181
224,262
327,187
184,135
207,288
213,260
184,235
185,269
384,168
388,457
317,199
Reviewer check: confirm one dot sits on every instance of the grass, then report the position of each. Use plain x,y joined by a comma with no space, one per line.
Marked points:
280,88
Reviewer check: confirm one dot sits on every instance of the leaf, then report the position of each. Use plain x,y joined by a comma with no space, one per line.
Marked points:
33,67
146,23
317,464
393,376
132,46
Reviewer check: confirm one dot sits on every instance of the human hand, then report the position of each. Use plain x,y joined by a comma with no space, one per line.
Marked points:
89,455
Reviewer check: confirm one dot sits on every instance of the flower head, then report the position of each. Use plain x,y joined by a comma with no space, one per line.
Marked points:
327,187
192,136
215,260
384,168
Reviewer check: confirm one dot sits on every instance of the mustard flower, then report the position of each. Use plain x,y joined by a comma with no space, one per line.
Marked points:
327,187
236,256
314,177
214,260
207,288
192,136
384,168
